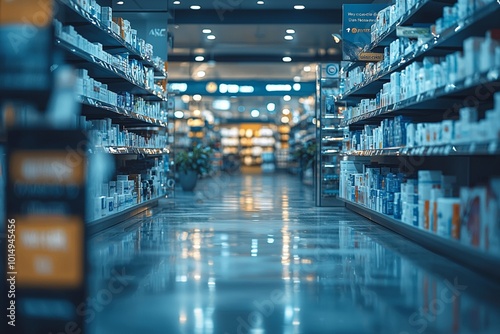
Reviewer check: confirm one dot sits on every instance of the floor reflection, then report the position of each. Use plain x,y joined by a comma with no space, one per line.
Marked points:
258,257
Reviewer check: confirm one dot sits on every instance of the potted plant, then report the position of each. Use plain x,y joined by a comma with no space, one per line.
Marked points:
306,156
192,163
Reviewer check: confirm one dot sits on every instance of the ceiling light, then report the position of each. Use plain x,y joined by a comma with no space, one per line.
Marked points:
179,114
255,113
211,37
199,58
307,68
296,86
299,7
197,112
200,74
271,107
285,119
195,7
290,31
288,37
185,98
119,2
286,111
260,2
197,97
296,78
176,2
206,31
286,98
287,59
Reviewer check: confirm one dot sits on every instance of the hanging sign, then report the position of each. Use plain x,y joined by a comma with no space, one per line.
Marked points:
357,20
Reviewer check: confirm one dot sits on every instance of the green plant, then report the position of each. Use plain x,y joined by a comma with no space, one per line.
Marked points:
306,154
196,159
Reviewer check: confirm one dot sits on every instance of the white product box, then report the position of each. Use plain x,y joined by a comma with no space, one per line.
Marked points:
448,217
493,219
447,131
473,213
472,51
106,14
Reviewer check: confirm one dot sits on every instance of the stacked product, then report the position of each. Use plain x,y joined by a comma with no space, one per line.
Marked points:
119,26
102,133
427,202
91,88
399,132
132,68
128,190
479,55
390,133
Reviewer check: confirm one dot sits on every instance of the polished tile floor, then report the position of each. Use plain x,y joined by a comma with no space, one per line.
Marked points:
252,254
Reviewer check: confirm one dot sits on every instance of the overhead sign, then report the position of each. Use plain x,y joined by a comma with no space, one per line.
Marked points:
357,20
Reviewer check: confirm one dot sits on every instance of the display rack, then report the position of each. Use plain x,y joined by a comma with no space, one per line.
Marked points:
471,162
329,138
150,161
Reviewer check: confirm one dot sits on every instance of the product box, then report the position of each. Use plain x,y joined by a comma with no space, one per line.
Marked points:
448,217
473,213
106,14
493,217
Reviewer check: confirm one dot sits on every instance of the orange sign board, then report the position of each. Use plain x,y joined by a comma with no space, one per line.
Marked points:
46,167
31,12
49,251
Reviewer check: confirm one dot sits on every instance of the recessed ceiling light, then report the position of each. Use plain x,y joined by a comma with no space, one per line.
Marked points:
307,68
201,74
287,59
299,7
197,97
296,78
211,37
288,37
260,2
286,111
287,98
290,31
176,2
285,119
206,31
199,58
195,7
120,2
255,113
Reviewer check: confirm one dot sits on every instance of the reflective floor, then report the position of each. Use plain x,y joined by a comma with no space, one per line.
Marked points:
251,254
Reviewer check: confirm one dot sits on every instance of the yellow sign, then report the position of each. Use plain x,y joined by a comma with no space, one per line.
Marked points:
49,251
47,167
371,56
30,12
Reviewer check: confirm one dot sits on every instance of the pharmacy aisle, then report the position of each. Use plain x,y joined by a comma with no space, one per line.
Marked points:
251,254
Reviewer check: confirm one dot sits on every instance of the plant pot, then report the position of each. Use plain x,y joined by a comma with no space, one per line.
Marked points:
188,180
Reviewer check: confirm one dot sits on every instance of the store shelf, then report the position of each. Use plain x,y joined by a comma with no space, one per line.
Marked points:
430,99
120,150
476,149
121,114
473,258
99,225
92,29
98,69
452,37
425,11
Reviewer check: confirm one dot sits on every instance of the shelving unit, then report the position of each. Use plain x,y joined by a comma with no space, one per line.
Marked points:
329,138
147,167
472,161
